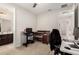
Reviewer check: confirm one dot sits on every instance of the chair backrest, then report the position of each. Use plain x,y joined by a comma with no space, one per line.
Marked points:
55,32
55,37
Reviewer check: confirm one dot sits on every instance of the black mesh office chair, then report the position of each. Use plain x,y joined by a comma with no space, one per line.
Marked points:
55,41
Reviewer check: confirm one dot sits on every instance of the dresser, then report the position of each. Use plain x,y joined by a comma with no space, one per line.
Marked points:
6,39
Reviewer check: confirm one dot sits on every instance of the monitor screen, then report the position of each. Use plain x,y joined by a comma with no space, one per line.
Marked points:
28,29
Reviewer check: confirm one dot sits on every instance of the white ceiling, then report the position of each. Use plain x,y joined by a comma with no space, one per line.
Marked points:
41,7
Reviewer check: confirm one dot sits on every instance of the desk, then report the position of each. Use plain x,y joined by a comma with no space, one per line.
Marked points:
29,38
73,51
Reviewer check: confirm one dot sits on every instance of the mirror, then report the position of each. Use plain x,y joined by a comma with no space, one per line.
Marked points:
5,25
6,20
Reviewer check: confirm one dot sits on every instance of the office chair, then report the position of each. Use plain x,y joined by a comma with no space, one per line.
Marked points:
55,41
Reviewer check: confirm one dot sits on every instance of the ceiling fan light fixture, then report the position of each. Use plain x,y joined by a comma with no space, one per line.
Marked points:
34,5
64,5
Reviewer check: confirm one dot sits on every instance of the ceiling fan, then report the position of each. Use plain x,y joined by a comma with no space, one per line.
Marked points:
34,5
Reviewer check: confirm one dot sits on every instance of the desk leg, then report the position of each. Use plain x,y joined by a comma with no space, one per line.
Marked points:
26,40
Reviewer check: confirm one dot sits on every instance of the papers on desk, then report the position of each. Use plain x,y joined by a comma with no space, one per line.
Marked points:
30,37
71,51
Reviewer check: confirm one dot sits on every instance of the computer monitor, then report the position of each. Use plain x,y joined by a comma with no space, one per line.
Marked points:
28,29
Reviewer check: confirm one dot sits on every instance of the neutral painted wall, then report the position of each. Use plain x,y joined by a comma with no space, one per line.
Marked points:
46,21
23,20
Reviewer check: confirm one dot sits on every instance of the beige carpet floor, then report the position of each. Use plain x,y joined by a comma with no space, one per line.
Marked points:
36,48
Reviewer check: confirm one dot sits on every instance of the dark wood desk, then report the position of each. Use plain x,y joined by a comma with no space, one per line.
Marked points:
27,36
42,36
